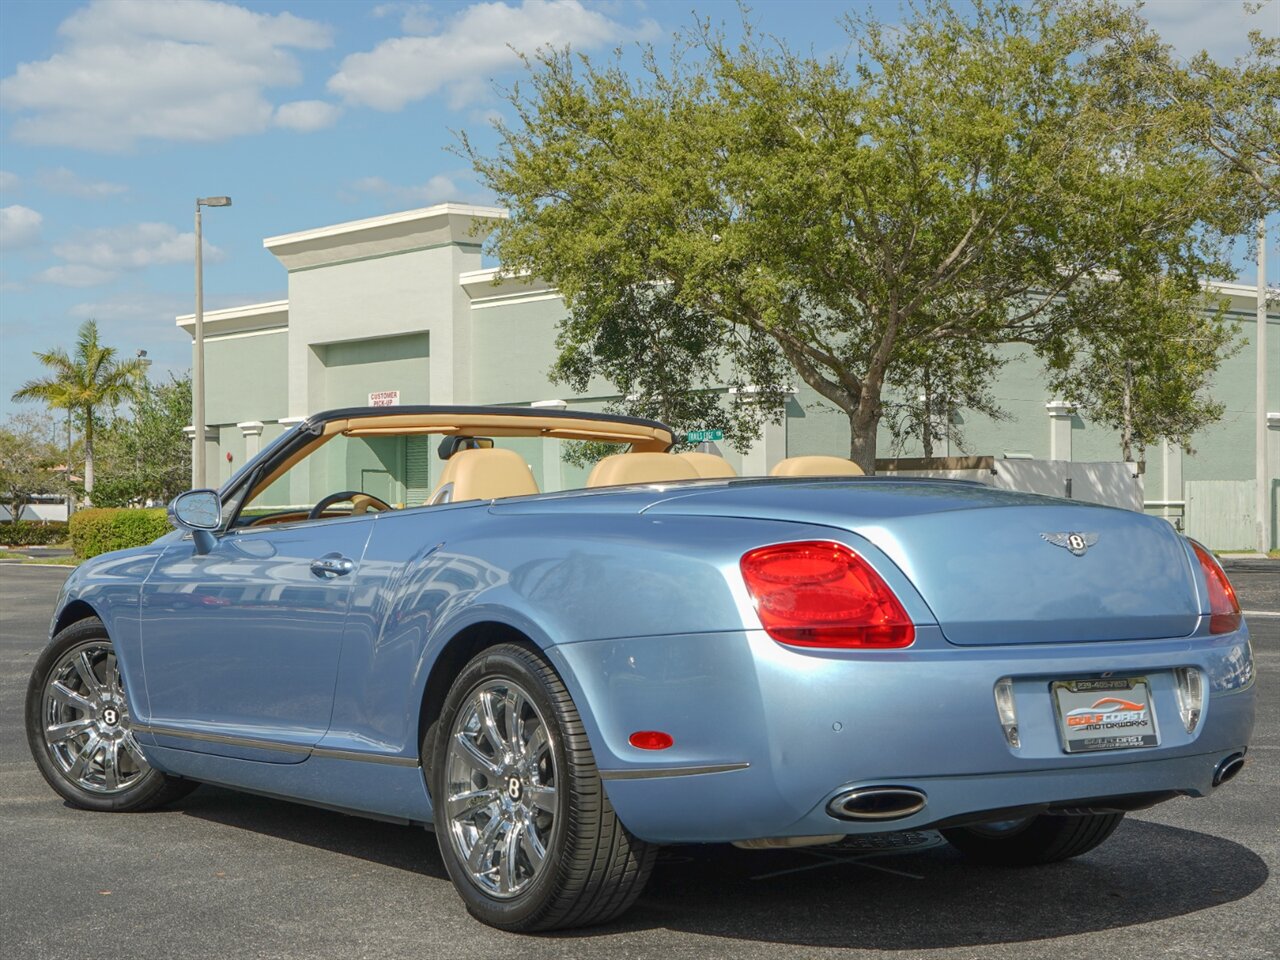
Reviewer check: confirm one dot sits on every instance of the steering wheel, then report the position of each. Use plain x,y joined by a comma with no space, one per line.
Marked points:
360,503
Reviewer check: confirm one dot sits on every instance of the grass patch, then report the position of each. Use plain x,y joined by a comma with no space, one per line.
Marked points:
39,561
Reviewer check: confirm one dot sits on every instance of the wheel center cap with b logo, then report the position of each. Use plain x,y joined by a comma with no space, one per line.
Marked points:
514,789
111,716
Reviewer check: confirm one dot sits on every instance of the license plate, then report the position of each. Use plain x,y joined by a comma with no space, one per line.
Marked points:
1111,714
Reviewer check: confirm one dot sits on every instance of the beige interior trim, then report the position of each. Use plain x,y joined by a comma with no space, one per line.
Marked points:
641,437
486,474
626,468
817,466
708,465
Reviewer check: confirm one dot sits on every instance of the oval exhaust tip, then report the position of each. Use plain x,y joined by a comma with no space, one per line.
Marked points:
877,803
1228,769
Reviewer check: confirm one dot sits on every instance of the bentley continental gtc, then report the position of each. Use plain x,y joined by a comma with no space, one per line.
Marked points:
382,613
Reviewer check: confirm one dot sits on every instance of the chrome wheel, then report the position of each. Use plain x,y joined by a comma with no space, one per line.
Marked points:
500,788
86,724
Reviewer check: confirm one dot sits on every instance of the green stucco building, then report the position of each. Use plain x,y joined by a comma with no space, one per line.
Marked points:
398,309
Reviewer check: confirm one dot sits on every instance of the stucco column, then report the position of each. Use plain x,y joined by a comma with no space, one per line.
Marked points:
210,436
771,447
1273,475
299,478
1060,415
252,432
552,449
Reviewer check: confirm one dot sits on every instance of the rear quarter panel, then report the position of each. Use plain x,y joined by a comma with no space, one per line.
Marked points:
559,578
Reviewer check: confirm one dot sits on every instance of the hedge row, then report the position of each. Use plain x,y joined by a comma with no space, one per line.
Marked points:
29,533
101,530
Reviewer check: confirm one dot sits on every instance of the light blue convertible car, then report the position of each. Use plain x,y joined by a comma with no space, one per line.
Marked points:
558,683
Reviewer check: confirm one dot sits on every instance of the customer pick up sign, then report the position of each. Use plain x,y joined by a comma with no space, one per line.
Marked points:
384,398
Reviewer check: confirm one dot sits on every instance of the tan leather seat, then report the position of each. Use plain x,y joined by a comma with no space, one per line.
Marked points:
624,468
817,466
708,465
484,475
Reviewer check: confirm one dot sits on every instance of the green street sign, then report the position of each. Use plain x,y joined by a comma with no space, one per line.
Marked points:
701,436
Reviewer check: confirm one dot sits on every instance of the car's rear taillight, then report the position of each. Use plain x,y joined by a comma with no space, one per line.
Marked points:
1224,608
822,594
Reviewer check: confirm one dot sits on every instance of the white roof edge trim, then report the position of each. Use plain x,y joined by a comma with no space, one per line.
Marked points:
480,285
237,313
386,220
1248,290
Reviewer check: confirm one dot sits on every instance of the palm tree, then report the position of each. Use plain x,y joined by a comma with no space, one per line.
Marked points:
84,382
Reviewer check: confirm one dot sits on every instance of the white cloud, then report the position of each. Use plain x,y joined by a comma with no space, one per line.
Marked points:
132,247
438,189
19,227
66,182
132,69
75,275
8,181
134,307
415,18
459,58
305,116
1218,26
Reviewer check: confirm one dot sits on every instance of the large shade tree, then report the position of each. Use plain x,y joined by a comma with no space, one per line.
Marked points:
145,455
85,382
941,191
1147,372
28,461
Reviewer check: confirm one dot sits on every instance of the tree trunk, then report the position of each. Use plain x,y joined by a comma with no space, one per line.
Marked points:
66,471
88,455
864,422
863,425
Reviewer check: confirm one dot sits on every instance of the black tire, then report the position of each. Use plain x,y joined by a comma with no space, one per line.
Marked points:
1041,839
594,868
150,788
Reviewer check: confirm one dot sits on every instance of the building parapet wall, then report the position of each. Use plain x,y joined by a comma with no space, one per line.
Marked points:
411,230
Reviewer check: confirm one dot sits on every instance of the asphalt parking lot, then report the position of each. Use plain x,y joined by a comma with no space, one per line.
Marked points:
228,875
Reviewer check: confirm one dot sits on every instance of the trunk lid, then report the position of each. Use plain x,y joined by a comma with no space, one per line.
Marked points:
995,567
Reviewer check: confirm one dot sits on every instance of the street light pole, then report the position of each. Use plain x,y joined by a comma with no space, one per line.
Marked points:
1262,495
197,366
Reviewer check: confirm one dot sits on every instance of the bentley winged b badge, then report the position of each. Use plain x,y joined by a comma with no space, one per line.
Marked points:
1077,543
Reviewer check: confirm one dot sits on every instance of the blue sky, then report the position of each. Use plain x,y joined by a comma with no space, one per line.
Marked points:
114,116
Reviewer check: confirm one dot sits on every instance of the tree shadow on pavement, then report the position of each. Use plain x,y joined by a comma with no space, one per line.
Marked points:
917,895
395,845
933,899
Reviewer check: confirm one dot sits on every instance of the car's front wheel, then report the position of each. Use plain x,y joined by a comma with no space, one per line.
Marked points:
80,729
525,829
1040,839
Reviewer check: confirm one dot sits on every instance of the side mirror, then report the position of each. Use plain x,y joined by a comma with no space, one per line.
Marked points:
200,512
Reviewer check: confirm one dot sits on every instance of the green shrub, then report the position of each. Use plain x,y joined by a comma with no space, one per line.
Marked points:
27,533
103,529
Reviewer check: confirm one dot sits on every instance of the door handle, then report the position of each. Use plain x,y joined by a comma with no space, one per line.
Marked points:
332,565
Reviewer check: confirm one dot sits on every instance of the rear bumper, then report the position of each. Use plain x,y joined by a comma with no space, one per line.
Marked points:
778,732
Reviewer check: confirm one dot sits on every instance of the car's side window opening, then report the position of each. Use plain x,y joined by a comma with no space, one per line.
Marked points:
375,470
348,466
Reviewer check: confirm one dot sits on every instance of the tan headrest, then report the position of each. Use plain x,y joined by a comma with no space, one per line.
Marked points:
708,465
816,467
623,468
484,475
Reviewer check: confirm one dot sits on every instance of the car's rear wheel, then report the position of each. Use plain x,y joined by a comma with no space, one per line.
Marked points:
80,729
525,829
1032,840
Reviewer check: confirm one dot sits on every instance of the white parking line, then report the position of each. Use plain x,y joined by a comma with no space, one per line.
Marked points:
1260,613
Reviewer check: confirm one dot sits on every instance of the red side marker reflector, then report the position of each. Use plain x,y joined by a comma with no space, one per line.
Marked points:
650,740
